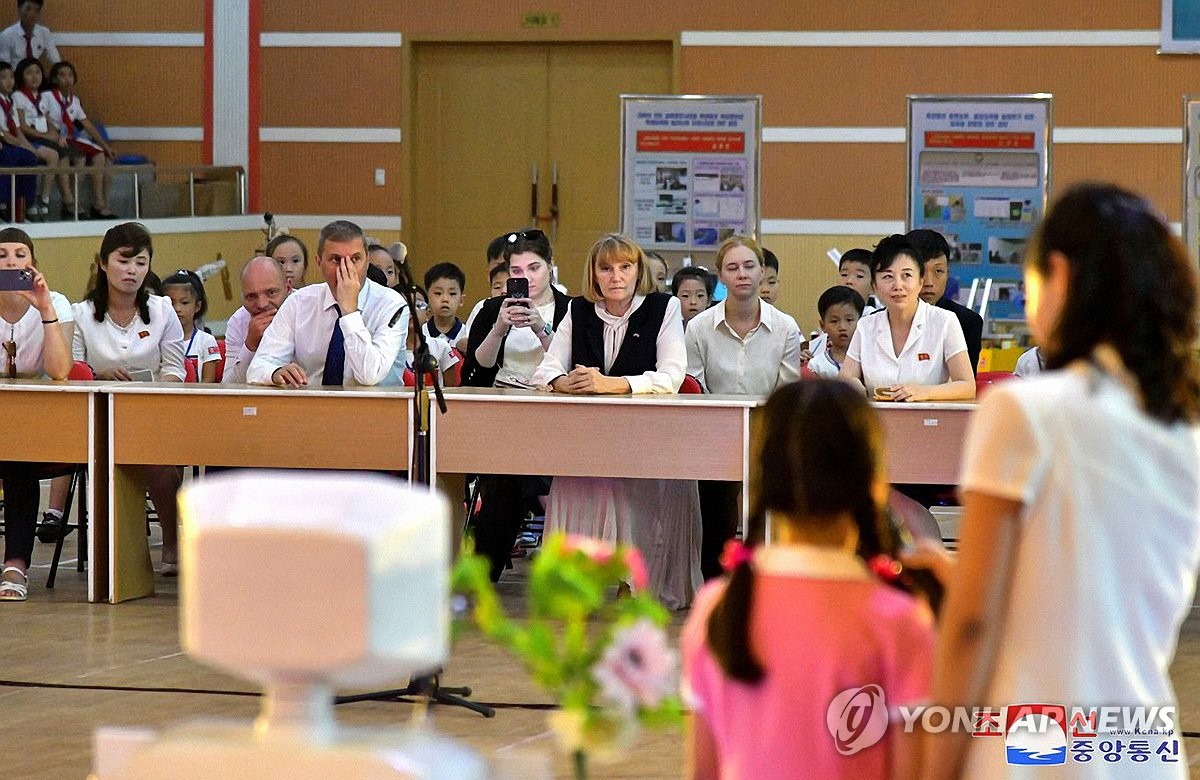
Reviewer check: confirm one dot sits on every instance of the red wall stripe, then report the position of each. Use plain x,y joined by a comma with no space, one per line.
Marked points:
254,80
208,82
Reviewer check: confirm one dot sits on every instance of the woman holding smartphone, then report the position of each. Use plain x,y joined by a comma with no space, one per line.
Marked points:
124,333
35,326
910,351
507,342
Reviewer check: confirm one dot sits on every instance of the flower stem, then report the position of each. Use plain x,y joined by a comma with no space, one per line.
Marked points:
581,772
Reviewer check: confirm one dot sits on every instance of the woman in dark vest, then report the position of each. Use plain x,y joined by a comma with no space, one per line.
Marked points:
622,336
505,346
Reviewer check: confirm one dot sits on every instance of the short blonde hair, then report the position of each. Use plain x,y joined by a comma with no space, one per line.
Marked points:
736,241
614,248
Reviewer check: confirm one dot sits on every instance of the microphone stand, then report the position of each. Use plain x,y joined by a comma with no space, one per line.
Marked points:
428,686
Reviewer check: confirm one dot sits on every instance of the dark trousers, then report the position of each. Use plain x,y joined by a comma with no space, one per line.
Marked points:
22,497
504,501
720,513
11,157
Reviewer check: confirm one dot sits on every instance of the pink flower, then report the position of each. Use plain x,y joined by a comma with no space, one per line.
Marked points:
638,668
598,551
637,568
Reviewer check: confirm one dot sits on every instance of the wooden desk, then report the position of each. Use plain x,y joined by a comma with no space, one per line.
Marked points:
924,441
501,431
225,425
56,422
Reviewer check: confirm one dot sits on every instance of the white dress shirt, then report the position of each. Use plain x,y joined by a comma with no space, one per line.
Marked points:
12,44
237,355
934,338
29,334
155,346
300,334
724,362
672,354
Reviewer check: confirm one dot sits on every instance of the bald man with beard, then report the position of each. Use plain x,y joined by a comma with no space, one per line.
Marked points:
263,291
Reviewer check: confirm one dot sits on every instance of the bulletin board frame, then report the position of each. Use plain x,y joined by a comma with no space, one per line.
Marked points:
691,169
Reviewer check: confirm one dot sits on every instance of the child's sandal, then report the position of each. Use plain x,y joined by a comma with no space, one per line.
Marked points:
14,591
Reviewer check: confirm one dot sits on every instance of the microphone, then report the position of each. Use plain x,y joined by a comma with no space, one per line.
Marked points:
399,252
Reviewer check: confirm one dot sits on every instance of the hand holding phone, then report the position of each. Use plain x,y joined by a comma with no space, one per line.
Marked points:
20,279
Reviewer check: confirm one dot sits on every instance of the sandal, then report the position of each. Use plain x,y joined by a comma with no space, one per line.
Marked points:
14,591
50,529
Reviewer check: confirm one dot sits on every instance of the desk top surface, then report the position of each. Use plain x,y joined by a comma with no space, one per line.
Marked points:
452,394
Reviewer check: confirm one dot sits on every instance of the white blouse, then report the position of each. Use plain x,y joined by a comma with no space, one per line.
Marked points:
672,353
934,338
29,335
156,346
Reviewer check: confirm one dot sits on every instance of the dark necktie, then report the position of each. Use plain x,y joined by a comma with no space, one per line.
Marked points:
28,46
335,356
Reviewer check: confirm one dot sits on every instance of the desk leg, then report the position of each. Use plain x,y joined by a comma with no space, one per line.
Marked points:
453,486
132,574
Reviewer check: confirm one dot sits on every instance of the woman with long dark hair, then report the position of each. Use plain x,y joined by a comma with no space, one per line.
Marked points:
1081,491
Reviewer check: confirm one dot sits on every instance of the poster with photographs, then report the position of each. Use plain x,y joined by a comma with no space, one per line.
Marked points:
689,169
1191,174
978,173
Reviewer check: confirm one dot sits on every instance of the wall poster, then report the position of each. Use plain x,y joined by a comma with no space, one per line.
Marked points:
979,173
689,169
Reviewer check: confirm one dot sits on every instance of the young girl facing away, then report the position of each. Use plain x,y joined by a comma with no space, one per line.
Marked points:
802,622
190,302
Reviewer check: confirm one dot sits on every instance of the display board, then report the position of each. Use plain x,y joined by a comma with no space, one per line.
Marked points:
689,169
1191,174
979,173
1180,29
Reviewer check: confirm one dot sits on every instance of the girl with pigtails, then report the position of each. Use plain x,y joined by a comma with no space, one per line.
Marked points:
793,662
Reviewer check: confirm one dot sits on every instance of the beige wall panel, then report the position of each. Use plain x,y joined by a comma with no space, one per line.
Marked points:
833,181
1152,170
867,87
125,16
630,17
310,87
329,178
805,271
141,86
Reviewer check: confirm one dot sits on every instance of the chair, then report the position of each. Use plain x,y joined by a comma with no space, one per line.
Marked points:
986,379
690,386
221,362
80,371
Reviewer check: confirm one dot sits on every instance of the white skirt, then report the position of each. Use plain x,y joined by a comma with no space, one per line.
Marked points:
661,517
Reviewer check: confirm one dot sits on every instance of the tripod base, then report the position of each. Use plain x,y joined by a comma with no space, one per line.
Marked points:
428,686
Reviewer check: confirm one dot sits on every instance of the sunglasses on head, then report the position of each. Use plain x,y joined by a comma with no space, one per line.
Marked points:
526,235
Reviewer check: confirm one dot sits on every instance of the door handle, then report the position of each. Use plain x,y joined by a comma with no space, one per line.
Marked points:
533,196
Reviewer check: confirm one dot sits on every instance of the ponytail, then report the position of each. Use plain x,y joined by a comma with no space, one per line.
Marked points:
729,624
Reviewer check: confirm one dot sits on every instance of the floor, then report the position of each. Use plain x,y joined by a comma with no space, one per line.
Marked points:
67,667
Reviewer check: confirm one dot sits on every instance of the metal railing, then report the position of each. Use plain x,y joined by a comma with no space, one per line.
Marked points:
193,175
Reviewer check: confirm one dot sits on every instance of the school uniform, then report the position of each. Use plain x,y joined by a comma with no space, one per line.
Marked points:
1106,559
1030,363
12,156
155,346
934,338
724,362
33,110
66,113
201,348
822,362
16,46
28,333
450,336
301,331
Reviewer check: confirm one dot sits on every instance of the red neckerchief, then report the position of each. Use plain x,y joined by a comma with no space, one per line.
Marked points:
65,104
34,99
6,106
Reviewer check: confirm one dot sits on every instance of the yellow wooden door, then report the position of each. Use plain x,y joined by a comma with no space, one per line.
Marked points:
484,115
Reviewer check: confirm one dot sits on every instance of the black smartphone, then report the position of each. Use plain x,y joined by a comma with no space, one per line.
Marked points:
14,279
518,287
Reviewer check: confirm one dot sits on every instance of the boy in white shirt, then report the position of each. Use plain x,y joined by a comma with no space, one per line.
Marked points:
840,308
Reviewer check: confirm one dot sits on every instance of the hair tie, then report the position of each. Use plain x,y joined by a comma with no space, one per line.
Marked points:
735,554
885,567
